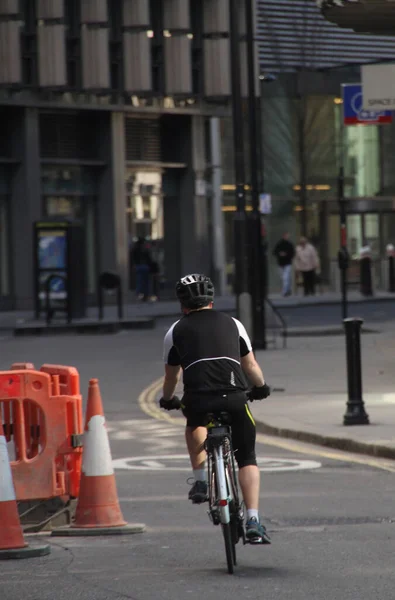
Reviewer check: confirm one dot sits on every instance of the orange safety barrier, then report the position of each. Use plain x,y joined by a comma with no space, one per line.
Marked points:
41,412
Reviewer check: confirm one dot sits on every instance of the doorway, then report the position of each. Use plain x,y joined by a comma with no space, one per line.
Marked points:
144,212
362,229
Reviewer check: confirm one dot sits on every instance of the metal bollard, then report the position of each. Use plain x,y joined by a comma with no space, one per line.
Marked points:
355,413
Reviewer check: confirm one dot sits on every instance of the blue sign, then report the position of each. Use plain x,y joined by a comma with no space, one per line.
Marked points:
353,111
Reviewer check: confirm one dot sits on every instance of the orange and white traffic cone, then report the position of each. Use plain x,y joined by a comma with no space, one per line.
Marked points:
98,511
12,542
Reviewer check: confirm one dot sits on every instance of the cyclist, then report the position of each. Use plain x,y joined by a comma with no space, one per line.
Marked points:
215,354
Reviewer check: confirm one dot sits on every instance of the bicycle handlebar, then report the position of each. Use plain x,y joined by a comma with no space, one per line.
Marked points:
175,403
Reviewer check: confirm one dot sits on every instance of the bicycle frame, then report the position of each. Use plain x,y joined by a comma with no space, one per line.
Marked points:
223,487
222,482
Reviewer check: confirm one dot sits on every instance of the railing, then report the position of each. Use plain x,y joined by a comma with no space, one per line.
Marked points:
281,319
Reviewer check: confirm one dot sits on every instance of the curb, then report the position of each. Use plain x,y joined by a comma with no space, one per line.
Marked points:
329,330
344,444
83,327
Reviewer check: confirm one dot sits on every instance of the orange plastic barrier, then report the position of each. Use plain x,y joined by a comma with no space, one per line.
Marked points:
42,420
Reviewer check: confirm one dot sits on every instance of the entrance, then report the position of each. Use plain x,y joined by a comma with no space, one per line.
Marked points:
370,228
144,211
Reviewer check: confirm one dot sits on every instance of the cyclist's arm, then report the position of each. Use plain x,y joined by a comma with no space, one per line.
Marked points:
248,363
172,375
252,370
172,361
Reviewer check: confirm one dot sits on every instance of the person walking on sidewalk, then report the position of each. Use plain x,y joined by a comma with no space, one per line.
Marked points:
306,263
141,260
215,354
284,251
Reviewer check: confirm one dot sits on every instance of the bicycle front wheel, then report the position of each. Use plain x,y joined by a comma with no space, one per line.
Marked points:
229,547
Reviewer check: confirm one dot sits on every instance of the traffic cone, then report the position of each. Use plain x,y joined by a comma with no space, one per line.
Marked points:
12,542
98,511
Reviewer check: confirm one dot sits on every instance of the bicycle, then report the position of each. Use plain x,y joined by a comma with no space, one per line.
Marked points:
225,508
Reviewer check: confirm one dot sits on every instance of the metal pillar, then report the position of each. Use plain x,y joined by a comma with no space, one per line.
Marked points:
258,249
343,258
302,156
355,414
216,208
243,296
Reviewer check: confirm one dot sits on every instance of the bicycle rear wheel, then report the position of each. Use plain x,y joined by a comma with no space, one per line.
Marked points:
229,547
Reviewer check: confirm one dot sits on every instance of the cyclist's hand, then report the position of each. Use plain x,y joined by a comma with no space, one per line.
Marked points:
259,393
172,404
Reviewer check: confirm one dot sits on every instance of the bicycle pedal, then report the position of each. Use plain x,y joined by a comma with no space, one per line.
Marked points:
255,541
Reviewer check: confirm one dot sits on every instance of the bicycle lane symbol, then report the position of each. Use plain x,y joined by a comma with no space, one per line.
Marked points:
180,462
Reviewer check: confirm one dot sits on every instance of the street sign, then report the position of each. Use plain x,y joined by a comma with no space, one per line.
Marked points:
378,82
265,204
353,111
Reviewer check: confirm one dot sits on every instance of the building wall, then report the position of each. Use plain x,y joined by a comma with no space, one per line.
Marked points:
127,47
92,93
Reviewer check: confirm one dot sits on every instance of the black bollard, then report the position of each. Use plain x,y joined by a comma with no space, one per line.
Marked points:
355,414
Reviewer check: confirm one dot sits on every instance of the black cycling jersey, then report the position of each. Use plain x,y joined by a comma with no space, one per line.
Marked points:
208,344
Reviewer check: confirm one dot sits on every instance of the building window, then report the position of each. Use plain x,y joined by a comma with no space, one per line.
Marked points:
29,43
156,11
361,145
196,12
116,44
73,43
69,136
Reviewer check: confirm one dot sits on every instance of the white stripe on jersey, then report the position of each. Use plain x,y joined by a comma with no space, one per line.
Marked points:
213,358
168,342
243,334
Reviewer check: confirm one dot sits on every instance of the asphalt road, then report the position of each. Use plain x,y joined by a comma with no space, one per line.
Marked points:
330,520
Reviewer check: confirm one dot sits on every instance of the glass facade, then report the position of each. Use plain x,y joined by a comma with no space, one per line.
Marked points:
304,143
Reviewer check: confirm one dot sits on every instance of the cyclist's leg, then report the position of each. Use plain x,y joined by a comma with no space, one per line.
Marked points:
195,436
244,436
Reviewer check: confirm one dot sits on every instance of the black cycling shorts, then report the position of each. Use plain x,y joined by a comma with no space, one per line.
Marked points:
243,424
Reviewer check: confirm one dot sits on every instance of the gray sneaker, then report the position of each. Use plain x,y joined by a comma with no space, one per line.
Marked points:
256,532
198,492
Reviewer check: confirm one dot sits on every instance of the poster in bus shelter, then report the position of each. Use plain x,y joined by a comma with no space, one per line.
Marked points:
52,256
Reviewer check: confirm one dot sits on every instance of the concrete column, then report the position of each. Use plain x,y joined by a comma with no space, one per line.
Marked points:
195,243
26,206
112,226
217,218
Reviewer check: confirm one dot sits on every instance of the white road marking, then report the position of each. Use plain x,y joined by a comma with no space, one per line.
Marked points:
180,462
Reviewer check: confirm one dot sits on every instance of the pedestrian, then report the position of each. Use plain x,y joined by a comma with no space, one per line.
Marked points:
365,269
141,260
306,263
284,251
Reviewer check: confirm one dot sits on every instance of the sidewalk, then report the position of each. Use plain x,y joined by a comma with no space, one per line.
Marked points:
167,308
312,374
